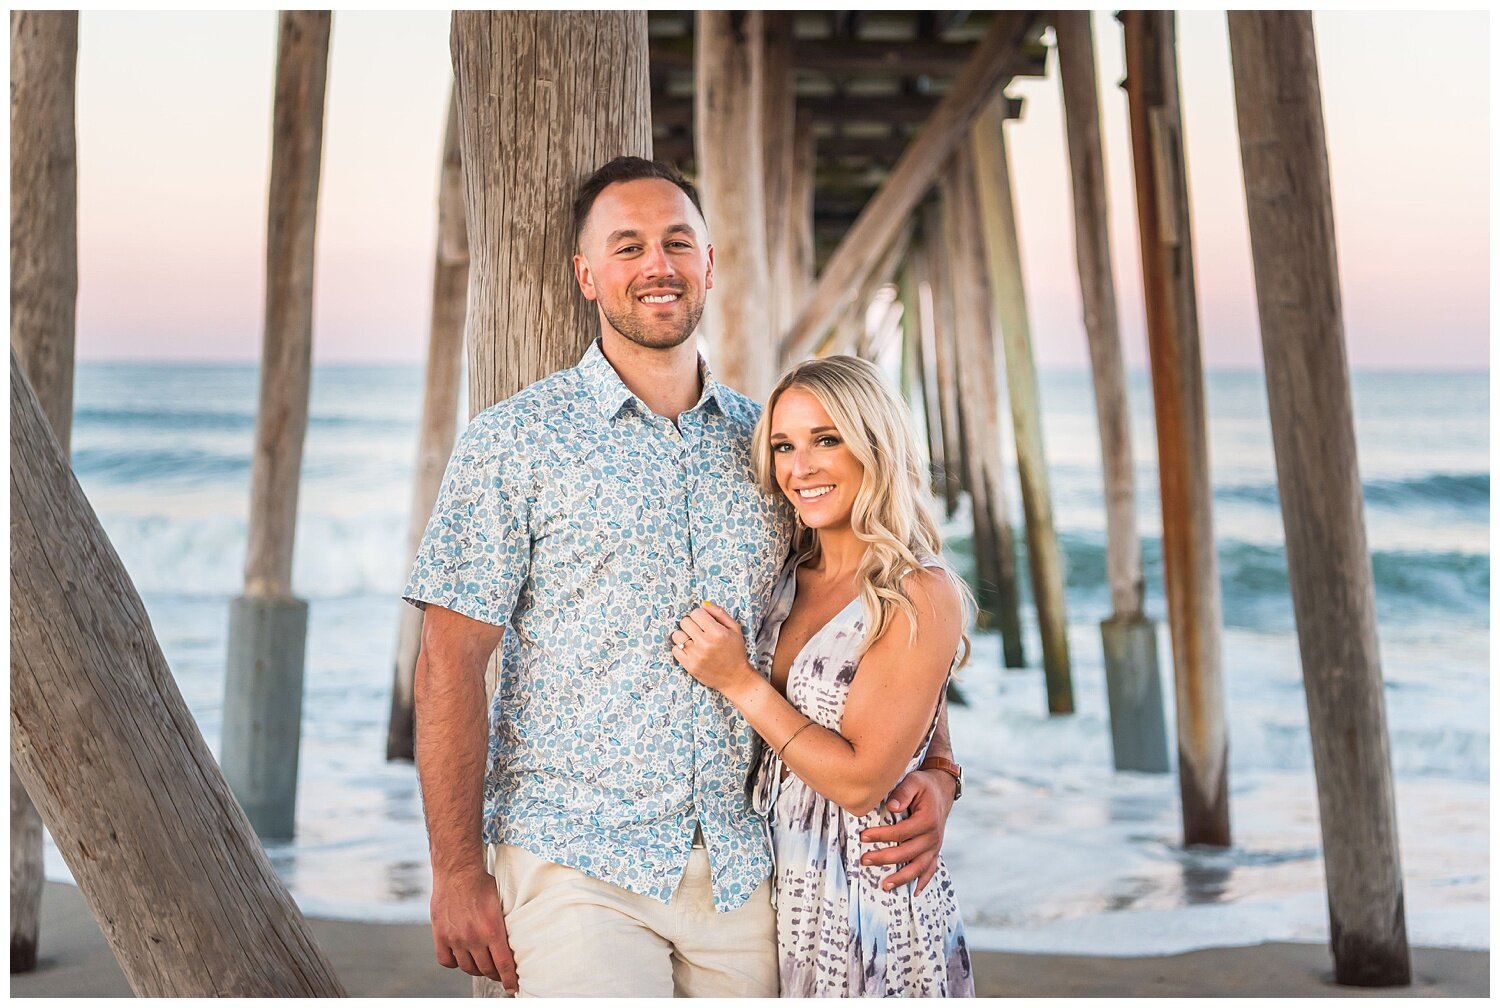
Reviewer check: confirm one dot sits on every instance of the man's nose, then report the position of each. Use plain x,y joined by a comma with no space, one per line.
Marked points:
656,261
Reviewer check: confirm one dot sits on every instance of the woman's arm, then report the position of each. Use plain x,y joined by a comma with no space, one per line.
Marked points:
889,708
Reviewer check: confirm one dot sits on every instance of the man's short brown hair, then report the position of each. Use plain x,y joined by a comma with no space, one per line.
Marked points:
625,169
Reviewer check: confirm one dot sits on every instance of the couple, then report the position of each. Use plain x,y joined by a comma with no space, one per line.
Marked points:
681,597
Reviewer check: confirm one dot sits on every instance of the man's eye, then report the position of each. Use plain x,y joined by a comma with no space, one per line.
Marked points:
681,244
627,248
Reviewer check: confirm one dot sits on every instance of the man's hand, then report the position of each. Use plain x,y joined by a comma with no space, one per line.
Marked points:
468,929
918,837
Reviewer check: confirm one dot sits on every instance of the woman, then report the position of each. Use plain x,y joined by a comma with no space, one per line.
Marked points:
860,639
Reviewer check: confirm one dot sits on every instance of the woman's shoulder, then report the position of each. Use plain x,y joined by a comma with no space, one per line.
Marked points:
932,586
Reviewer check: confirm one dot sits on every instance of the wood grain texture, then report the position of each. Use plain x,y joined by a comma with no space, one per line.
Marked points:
1290,205
286,354
938,351
799,215
543,100
105,745
778,118
43,306
978,383
439,423
1189,559
854,334
44,206
728,131
1080,93
994,211
921,370
993,60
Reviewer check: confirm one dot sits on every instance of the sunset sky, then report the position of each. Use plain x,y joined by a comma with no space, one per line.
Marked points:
174,116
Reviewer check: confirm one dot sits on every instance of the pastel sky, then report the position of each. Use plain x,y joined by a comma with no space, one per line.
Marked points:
174,118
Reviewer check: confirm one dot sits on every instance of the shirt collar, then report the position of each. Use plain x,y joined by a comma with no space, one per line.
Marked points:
611,394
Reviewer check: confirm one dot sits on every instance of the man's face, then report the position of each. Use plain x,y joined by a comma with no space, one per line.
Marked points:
644,257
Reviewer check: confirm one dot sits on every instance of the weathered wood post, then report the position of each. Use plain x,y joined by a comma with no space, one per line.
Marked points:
854,333
267,624
727,136
941,316
916,323
1191,565
445,350
799,211
43,306
979,398
778,117
1288,197
943,403
167,861
526,317
1001,256
1137,718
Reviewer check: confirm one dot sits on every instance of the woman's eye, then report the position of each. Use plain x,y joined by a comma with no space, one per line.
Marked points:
779,446
828,440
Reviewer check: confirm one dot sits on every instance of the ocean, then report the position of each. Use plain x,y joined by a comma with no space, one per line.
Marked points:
1051,850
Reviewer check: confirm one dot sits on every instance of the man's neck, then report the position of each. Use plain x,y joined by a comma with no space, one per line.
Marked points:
667,381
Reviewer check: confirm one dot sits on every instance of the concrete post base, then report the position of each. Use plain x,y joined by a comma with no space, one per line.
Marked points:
1137,720
263,710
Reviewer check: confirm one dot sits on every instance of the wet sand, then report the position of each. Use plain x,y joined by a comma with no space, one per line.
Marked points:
396,960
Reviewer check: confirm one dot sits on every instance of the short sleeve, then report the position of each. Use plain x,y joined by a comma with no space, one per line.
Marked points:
476,551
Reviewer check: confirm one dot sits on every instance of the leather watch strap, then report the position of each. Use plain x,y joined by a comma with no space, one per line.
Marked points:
947,766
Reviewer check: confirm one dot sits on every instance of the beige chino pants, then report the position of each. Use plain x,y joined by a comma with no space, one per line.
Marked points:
575,936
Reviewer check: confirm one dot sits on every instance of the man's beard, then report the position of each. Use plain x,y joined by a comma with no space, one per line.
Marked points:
650,333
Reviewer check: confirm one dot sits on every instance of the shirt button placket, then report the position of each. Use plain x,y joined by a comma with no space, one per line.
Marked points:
687,473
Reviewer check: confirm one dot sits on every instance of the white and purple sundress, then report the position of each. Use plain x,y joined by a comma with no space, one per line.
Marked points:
838,933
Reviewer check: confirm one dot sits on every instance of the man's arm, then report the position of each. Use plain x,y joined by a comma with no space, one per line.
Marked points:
929,795
468,930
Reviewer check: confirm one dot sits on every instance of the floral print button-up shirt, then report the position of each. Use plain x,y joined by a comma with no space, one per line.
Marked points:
588,526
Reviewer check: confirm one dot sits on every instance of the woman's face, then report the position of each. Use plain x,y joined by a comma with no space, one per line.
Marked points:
814,468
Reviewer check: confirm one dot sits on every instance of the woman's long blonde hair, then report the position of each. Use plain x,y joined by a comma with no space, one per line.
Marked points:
890,510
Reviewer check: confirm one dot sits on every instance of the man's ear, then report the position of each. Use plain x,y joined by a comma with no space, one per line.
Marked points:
585,276
708,280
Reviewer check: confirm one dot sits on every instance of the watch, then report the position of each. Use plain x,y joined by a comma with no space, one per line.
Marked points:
947,766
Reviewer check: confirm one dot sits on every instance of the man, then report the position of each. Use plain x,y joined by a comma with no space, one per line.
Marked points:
588,514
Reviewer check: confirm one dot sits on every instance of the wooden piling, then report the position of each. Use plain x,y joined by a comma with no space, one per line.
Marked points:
853,334
728,129
1191,565
43,306
917,328
799,215
778,116
979,399
1290,206
268,626
526,317
1000,250
166,859
942,404
1137,717
445,349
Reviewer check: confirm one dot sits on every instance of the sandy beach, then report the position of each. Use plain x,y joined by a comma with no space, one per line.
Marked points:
395,960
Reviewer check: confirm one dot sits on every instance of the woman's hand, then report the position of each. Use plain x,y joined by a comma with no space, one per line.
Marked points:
711,646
